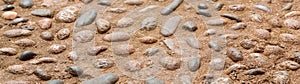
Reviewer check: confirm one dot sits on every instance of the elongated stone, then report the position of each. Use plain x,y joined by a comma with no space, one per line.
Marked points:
154,81
194,64
170,26
192,42
25,42
232,17
16,33
42,12
109,78
8,51
116,36
153,50
86,18
263,8
216,22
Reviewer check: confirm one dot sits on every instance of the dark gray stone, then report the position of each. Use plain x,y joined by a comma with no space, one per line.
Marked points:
42,12
74,70
18,20
104,2
27,55
26,3
43,75
258,71
8,7
202,6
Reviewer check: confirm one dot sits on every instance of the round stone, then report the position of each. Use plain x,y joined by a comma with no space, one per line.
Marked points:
9,15
27,55
63,33
47,36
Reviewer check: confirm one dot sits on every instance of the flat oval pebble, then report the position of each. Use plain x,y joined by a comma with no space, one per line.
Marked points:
258,71
210,32
238,26
93,51
102,25
116,36
232,17
8,51
192,42
271,49
27,55
190,26
86,1
288,6
57,48
16,69
247,44
262,33
86,18
234,67
263,8
237,7
9,15
74,70
170,26
124,49
16,33
275,22
289,38
63,33
17,82
202,6
170,63
148,40
134,2
256,17
25,42
154,81
234,54
42,12
43,60
104,2
216,22
289,65
8,7
57,81
26,3
153,50
103,63
292,13
214,46
68,14
149,23
125,22
117,10
292,23
108,78
18,20
47,36
194,64
45,23
43,75
84,36
204,13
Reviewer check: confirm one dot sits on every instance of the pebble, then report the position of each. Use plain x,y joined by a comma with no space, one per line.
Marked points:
234,54
133,66
57,48
124,49
9,1
73,55
169,43
289,65
57,81
222,80
275,22
25,42
257,71
289,38
170,63
297,56
247,44
68,14
63,33
287,1
134,2
171,7
27,27
210,32
16,69
152,80
263,8
16,33
281,77
288,6
148,40
153,50
8,8
237,7
189,25
238,26
9,15
26,3
86,18
149,23
125,22
43,60
270,49
216,22
262,34
202,6
192,42
170,26
103,63
104,2
230,36
93,51
84,36
18,20
17,82
194,64
86,1
204,13
292,23
256,17
43,75
108,78
47,36
27,55
42,12
232,17
219,6
292,13
235,67
116,37
74,70
8,51
184,79
102,25
45,23
117,10
214,45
